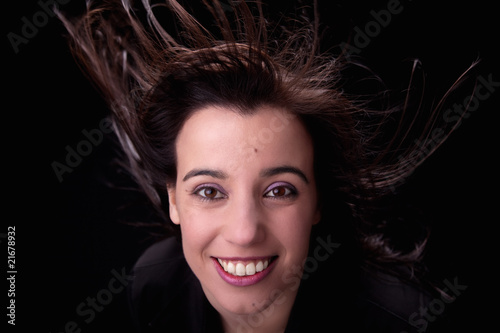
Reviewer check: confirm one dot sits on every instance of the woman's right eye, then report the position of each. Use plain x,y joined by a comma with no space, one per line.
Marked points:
210,193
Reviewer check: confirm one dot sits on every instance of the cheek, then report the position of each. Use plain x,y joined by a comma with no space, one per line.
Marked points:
198,231
293,229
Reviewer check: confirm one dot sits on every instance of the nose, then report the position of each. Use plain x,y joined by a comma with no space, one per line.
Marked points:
243,226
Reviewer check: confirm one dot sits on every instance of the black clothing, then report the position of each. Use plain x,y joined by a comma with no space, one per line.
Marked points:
165,296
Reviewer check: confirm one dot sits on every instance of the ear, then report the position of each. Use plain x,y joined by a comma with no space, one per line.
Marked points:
172,204
317,213
317,216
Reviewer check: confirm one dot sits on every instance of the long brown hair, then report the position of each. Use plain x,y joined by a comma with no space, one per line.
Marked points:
157,64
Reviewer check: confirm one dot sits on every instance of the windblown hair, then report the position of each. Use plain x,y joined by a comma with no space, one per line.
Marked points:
156,64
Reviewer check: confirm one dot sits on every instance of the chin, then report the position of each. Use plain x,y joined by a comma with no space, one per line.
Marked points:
244,300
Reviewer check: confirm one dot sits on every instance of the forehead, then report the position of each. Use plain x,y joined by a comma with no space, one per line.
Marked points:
220,137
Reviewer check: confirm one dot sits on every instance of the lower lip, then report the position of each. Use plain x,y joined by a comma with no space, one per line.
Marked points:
242,281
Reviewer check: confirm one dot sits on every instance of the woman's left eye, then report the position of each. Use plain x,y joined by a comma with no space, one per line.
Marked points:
280,192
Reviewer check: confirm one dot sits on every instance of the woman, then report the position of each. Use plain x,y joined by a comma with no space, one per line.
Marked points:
265,171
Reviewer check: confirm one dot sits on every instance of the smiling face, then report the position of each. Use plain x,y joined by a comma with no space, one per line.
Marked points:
245,198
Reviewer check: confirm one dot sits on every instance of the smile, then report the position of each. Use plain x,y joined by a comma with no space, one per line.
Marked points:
243,271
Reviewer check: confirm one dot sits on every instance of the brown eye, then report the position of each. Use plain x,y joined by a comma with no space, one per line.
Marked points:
279,192
210,193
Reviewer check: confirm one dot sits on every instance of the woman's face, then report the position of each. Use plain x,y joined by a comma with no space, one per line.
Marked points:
245,198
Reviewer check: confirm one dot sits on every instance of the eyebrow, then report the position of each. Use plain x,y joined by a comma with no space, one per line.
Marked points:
264,173
284,169
205,172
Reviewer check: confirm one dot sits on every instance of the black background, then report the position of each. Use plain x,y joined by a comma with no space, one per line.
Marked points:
69,237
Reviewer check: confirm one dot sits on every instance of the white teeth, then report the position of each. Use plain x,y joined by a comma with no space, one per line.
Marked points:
230,268
240,269
250,269
259,267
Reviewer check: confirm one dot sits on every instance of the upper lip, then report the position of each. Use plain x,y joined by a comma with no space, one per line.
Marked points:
245,258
